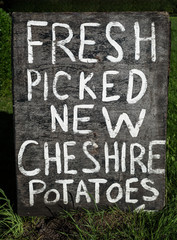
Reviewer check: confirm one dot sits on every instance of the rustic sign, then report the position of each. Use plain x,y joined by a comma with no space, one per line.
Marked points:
90,105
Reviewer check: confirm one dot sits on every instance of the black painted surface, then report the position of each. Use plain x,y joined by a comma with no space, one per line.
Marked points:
33,118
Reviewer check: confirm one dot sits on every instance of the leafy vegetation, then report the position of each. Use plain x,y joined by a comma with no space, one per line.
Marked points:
5,63
91,5
172,117
97,224
11,223
5,54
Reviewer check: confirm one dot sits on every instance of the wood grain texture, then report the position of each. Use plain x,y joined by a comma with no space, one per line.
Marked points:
33,118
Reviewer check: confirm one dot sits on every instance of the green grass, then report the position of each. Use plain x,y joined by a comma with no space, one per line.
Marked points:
10,224
110,223
6,104
115,224
172,117
92,5
5,53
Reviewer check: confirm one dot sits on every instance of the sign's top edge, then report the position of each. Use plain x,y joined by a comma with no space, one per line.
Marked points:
126,12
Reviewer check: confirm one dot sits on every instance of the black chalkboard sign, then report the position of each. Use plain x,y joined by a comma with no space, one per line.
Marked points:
90,109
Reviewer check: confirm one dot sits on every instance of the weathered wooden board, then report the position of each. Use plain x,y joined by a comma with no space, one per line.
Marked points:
90,106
